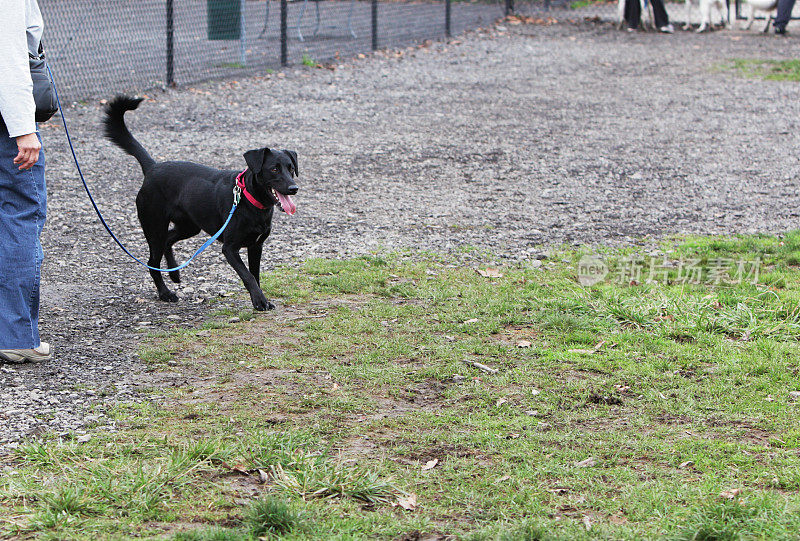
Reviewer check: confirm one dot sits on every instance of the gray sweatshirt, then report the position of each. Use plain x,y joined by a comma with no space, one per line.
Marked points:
21,32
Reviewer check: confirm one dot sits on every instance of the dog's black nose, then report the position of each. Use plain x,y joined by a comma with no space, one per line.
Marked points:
291,190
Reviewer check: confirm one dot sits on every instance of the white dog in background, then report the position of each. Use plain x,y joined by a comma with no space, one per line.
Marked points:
647,13
705,12
767,7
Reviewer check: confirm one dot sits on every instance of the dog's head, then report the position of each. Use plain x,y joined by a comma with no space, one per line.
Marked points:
273,174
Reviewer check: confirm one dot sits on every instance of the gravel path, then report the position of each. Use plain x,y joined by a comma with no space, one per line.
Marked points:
505,140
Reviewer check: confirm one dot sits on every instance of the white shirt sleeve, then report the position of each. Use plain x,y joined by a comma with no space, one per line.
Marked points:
16,88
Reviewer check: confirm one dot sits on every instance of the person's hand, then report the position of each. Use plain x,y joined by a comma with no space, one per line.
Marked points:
29,147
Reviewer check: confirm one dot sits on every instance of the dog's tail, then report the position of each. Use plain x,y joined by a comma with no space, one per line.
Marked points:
117,131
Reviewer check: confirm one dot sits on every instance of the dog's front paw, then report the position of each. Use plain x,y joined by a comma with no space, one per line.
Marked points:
261,303
168,296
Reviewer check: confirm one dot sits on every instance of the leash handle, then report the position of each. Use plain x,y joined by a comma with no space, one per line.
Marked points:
237,194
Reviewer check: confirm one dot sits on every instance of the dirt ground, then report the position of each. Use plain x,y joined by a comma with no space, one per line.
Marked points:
507,140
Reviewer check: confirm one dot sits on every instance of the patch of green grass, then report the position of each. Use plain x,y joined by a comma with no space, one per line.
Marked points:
407,394
232,65
775,70
585,3
214,534
270,516
308,61
314,476
731,520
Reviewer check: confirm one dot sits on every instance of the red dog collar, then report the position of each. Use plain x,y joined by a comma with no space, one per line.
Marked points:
240,183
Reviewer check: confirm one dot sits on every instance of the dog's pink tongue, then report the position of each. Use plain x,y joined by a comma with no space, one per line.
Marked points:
286,202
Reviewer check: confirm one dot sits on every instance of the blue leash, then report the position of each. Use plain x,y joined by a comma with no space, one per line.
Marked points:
237,193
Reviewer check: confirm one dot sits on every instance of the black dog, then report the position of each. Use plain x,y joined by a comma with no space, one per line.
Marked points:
193,197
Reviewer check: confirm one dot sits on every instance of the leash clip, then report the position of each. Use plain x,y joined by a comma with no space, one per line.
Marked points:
237,195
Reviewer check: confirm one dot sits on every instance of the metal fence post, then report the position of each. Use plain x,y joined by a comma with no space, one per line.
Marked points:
374,25
509,7
284,34
170,44
447,9
242,36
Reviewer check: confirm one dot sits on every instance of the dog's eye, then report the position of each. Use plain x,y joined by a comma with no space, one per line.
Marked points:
274,169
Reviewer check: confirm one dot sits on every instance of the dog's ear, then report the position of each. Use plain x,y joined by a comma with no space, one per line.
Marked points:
255,159
293,156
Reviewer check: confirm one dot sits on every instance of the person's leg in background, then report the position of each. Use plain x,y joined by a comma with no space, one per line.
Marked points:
661,17
784,14
633,12
23,204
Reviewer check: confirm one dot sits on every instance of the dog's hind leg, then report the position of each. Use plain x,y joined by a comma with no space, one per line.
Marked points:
154,226
180,232
156,254
726,15
704,22
769,21
688,24
750,18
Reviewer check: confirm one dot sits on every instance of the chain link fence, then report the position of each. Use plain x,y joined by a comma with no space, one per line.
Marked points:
97,47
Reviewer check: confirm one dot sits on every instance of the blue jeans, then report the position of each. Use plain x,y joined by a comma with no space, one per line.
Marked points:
23,205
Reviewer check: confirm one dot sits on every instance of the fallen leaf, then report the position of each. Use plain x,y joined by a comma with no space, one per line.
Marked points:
617,519
263,477
592,351
794,395
523,344
409,503
429,465
586,463
490,273
535,391
582,351
334,387
686,464
504,478
473,320
84,438
500,402
239,468
481,366
587,522
730,494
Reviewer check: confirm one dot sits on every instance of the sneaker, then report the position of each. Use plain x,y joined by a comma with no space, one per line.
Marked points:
629,29
668,29
42,353
780,30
